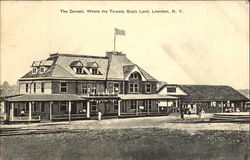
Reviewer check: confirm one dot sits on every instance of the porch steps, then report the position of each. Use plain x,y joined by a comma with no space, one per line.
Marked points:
231,117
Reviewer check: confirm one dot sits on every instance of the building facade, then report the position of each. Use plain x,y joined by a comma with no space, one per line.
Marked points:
210,98
78,86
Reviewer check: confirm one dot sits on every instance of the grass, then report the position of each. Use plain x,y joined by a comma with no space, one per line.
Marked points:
129,144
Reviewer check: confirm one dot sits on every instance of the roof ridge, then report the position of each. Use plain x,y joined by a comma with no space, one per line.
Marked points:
76,55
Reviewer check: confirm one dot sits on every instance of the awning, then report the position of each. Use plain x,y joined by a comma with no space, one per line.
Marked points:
146,97
45,97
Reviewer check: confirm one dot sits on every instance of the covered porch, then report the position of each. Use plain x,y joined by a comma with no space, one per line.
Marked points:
145,105
36,108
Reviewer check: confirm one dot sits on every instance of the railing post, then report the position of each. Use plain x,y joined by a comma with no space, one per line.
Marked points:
146,104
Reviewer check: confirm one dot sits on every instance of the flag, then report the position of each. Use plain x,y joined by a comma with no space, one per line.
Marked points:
119,32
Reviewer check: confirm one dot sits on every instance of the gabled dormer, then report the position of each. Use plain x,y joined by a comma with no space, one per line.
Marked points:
93,68
44,66
35,67
78,67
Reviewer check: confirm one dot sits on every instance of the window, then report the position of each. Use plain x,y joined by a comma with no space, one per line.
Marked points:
94,90
171,90
116,105
42,87
34,107
42,69
34,87
78,70
93,106
27,87
134,75
27,106
94,71
148,104
42,106
116,87
133,87
84,88
63,87
34,70
148,88
133,105
63,106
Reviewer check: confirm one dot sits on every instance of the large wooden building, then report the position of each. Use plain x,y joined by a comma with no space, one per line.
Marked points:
210,98
77,86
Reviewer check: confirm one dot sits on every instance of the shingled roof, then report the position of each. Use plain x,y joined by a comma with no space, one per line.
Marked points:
112,67
211,93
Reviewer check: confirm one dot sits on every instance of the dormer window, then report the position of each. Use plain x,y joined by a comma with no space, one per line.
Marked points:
34,70
94,71
171,90
78,70
42,69
135,75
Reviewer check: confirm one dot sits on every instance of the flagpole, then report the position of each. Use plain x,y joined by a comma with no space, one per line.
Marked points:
114,40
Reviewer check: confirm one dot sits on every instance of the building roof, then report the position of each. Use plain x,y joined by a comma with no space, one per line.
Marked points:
211,93
45,97
146,96
111,67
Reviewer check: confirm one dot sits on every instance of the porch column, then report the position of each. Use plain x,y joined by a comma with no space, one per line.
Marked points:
12,111
69,111
136,110
222,106
88,110
158,109
147,107
119,108
50,110
30,110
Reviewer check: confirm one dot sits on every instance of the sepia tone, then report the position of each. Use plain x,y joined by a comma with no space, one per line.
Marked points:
125,80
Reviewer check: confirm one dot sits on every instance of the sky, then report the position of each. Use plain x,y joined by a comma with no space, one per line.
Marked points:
204,43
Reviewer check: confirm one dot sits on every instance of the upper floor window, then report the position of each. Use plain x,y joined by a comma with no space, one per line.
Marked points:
116,87
171,90
34,70
42,87
27,87
84,88
94,71
94,88
34,87
42,69
148,88
64,87
133,87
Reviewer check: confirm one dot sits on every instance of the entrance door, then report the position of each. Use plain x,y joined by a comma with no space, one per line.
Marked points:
73,108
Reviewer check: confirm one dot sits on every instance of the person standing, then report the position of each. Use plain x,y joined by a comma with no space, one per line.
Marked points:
182,113
99,115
